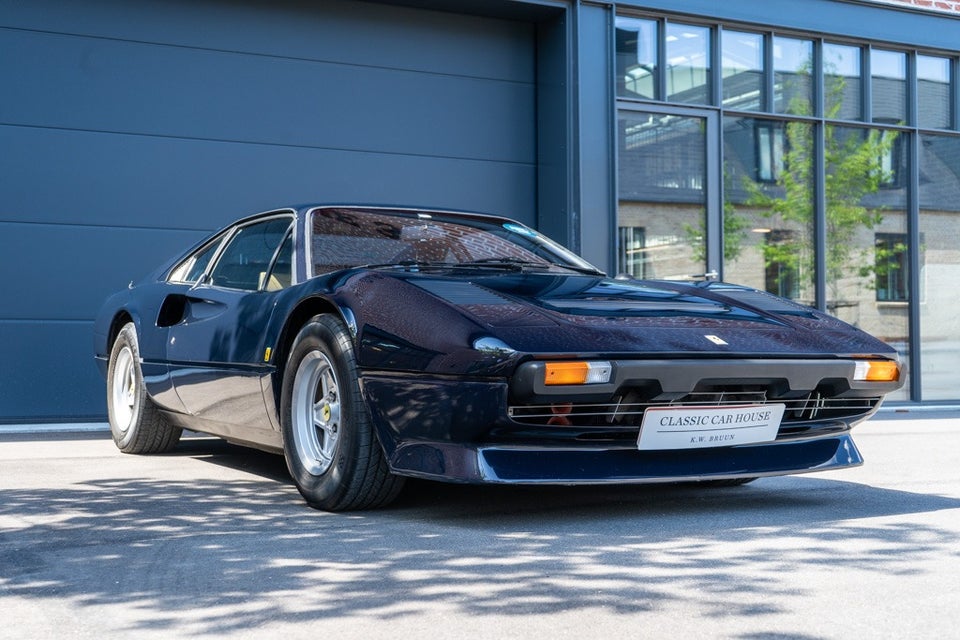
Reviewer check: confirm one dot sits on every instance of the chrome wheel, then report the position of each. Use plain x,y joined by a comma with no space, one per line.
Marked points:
316,413
123,397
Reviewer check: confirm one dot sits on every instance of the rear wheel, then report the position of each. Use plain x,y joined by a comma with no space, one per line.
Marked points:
135,422
328,440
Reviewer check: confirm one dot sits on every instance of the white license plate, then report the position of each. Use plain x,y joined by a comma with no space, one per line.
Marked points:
703,427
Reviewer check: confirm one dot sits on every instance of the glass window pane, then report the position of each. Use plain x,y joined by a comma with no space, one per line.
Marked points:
792,64
662,189
688,64
195,265
245,261
636,58
742,71
866,219
281,276
933,92
888,75
842,82
939,266
768,213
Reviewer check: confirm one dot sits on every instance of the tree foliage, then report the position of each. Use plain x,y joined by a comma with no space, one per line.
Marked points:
854,168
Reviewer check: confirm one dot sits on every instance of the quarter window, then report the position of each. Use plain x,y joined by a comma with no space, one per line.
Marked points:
191,269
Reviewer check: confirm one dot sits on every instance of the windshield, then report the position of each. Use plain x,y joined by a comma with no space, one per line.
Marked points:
344,238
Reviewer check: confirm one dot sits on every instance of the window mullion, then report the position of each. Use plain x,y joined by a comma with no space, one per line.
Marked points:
768,73
819,217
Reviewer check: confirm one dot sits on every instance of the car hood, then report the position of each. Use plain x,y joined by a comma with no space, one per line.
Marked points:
550,313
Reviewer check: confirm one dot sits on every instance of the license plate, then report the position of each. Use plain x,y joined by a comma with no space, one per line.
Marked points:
703,427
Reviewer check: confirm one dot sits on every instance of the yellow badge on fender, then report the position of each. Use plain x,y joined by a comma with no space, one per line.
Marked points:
267,354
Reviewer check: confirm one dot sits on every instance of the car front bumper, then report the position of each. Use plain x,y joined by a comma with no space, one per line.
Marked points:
460,430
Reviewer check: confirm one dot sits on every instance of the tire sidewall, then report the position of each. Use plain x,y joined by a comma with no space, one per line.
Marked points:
326,490
126,338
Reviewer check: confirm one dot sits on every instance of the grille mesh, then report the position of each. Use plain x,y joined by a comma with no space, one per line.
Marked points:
813,406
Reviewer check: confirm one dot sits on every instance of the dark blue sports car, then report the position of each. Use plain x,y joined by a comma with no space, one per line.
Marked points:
370,344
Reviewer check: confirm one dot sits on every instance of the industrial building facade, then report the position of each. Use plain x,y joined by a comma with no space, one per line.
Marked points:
811,149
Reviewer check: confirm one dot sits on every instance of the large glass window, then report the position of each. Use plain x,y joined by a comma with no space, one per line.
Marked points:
939,260
866,214
688,63
637,58
742,70
817,200
933,92
792,69
888,77
768,215
662,160
841,82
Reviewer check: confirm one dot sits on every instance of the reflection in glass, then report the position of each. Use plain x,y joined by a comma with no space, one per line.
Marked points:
688,63
841,82
933,92
792,64
742,70
768,213
866,219
939,266
888,77
636,58
662,193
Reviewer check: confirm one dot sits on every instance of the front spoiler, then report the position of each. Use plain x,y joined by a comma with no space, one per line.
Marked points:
501,464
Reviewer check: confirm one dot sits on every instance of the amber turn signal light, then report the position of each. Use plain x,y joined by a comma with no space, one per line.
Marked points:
577,373
877,371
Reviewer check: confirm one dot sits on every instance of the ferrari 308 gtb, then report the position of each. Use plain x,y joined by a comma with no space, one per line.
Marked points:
370,344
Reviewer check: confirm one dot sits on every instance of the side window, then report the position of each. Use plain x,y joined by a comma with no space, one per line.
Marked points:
192,268
281,275
245,261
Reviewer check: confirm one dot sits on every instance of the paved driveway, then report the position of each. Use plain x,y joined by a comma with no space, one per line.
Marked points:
215,541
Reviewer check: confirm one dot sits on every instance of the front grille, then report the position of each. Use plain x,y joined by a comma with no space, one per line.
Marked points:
624,414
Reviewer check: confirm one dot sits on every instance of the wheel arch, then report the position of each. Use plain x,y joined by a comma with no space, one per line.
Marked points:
297,318
120,319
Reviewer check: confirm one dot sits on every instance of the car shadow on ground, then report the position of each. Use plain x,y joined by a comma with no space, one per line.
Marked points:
777,500
233,554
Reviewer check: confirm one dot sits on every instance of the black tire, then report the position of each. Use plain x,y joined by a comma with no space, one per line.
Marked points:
329,442
135,422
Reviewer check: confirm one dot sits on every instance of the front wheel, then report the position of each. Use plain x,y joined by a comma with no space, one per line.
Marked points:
328,440
136,424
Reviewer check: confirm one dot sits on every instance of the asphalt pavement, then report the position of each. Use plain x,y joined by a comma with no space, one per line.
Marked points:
214,541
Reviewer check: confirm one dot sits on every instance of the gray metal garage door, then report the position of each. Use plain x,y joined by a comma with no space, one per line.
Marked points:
130,129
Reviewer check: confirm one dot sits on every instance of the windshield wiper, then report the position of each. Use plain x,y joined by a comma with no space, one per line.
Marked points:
496,263
407,264
520,263
505,263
